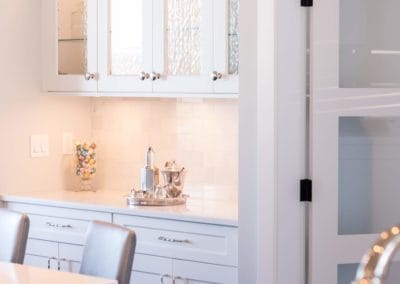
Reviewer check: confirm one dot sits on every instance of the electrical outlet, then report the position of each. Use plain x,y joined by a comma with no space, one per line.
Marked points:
39,145
68,143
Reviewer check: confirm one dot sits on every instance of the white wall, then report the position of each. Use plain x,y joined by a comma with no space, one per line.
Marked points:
25,111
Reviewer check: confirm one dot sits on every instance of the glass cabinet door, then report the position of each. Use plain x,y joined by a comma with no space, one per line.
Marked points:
226,46
125,45
70,45
183,45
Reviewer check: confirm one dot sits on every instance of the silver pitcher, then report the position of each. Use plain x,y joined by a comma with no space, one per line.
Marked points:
174,179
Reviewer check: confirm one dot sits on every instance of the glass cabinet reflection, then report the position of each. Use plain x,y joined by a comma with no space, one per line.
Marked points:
72,37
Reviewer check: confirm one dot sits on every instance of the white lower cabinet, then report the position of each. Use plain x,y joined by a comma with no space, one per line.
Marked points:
37,261
167,251
53,255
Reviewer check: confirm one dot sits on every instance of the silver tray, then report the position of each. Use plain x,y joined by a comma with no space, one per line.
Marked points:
141,201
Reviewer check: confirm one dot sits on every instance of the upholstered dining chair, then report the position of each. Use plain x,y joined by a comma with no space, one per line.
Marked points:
14,229
109,252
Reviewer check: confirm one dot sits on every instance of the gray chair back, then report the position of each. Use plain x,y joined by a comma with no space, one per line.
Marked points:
109,252
14,229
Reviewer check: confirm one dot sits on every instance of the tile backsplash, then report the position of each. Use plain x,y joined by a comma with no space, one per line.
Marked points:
201,135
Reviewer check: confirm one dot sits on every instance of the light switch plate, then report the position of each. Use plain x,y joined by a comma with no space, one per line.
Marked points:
39,145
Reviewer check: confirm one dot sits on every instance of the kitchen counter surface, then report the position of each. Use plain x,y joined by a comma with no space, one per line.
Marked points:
196,210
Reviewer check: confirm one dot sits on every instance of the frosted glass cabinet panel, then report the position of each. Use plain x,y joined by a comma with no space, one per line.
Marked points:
184,37
72,37
226,45
126,36
233,37
70,45
183,45
369,49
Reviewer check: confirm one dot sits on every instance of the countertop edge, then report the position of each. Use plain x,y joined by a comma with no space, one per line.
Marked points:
134,211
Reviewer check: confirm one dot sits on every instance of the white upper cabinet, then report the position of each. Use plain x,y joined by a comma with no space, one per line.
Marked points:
141,47
70,45
125,45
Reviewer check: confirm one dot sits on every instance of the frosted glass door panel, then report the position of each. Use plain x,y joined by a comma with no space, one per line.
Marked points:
369,49
183,37
126,35
347,273
369,174
72,37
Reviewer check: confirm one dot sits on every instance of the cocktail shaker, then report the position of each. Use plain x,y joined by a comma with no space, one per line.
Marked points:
149,174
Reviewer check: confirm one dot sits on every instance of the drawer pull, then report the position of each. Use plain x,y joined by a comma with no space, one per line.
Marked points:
58,225
49,261
164,239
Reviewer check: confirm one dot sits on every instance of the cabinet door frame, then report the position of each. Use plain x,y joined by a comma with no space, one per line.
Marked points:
123,83
229,83
52,81
183,83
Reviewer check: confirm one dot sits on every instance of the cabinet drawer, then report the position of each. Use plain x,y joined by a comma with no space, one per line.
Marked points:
58,229
42,248
183,240
59,224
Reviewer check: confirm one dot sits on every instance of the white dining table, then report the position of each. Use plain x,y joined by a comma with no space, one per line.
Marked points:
24,274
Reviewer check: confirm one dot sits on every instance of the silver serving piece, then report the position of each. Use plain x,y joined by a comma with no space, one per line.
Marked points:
174,179
153,194
374,265
149,174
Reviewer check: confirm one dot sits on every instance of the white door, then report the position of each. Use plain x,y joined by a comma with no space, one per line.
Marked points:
69,42
125,45
355,132
226,46
183,46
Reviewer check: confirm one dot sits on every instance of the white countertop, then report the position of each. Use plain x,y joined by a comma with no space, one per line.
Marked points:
23,274
196,210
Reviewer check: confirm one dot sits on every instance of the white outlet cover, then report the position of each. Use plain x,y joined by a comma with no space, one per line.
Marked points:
68,143
39,145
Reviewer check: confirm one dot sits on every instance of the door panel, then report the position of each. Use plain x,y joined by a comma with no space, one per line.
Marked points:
355,128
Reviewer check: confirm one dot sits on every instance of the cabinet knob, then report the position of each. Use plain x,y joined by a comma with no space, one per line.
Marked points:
155,76
90,76
216,75
143,76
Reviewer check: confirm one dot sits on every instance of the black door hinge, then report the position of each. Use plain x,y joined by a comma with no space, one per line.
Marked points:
306,3
305,190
